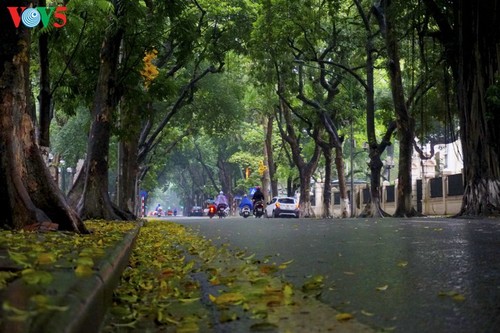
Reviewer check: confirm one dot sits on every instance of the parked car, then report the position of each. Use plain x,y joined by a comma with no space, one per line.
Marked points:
196,211
282,206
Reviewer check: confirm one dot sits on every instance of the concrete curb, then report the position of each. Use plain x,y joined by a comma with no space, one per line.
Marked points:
86,298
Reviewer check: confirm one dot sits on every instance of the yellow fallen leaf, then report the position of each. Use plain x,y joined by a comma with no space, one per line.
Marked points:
366,313
349,273
344,316
85,261
190,300
287,294
83,270
403,264
249,257
227,298
16,314
46,258
458,298
188,327
32,277
453,295
314,283
285,264
383,288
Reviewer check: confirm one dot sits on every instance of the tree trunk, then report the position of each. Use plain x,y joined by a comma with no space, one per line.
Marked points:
45,97
128,161
405,123
327,189
373,208
265,176
127,178
306,169
29,197
95,202
344,198
478,88
472,49
271,165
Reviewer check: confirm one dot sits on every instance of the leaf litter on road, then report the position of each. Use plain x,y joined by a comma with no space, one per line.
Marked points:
193,285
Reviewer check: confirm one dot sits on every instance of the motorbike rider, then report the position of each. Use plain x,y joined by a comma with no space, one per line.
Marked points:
257,196
221,199
158,210
245,202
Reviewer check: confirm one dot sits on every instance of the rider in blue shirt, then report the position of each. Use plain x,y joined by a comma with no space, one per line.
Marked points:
246,202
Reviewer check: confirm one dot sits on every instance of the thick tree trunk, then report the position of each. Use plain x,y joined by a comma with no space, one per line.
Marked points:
95,202
29,197
478,88
306,169
405,123
128,161
373,207
472,49
127,178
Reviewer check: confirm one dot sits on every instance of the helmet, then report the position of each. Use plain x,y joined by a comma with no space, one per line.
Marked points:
221,192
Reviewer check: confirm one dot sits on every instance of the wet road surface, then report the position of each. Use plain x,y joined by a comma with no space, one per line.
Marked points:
398,275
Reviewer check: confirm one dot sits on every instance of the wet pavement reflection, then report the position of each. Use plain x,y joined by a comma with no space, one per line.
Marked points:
402,275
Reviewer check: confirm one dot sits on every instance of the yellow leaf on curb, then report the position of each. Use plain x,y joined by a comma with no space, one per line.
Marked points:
383,288
83,270
46,258
227,298
344,316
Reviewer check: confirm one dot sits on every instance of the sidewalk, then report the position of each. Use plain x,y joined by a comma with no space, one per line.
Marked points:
68,303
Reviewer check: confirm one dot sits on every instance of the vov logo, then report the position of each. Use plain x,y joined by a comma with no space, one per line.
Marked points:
31,17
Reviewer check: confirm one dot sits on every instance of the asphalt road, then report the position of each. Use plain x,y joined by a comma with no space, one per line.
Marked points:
398,275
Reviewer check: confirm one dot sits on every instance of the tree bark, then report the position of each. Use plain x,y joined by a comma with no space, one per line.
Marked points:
327,187
344,198
472,49
45,97
306,169
95,202
128,160
271,165
405,123
373,208
29,197
478,86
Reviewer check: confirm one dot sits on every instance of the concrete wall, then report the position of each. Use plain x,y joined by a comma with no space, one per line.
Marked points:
445,205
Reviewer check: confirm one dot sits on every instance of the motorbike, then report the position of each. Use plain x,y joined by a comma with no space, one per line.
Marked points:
159,212
245,211
212,210
258,209
221,210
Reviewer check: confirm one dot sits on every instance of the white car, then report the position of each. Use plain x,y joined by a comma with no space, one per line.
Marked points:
282,206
